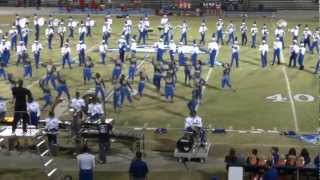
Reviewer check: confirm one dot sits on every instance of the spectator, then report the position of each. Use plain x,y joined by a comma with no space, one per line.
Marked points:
271,173
300,162
291,157
138,168
305,154
282,160
86,164
253,158
316,162
3,109
274,155
231,158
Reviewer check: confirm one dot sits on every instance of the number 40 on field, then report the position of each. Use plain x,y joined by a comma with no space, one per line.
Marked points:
296,97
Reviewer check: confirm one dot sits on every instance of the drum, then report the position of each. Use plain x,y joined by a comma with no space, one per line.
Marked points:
41,21
92,22
282,23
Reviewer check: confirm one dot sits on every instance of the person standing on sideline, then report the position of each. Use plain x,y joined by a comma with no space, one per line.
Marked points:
138,169
105,128
86,164
20,95
52,128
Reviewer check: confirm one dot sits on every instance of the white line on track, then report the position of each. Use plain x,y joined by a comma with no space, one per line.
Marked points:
293,107
35,82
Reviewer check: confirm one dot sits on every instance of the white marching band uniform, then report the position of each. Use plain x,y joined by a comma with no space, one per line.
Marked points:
193,122
77,104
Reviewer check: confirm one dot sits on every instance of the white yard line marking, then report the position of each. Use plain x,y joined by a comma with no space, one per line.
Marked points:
35,82
293,107
204,88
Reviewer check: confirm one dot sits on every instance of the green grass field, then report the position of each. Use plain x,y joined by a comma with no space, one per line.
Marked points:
243,109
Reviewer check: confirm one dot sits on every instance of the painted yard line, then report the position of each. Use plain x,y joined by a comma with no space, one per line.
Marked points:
35,82
204,88
293,107
138,68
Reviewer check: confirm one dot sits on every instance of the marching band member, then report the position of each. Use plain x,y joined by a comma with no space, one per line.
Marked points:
295,32
172,49
36,27
24,34
36,49
254,31
87,70
132,70
13,33
226,76
66,52
122,48
199,83
133,48
213,49
231,30
106,31
81,49
103,51
62,87
243,30
264,32
184,31
182,58
302,51
61,31
88,26
142,32
50,21
219,33
116,72
315,41
70,27
18,27
294,50
21,53
46,94
78,103
160,49
117,96
169,88
5,51
235,53
264,48
194,53
49,34
146,23
202,30
27,68
34,111
50,76
307,34
82,32
143,78
164,20
52,126
279,32
100,86
157,76
166,33
277,47
187,73
193,121
127,32
126,90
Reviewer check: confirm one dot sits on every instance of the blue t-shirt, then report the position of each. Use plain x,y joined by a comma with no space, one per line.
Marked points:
271,174
138,169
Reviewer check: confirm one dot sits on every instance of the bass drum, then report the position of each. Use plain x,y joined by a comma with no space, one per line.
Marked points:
185,144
